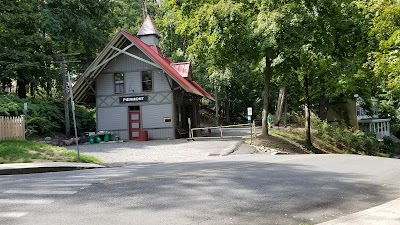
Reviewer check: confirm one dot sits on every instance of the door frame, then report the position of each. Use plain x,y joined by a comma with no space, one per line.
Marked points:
137,112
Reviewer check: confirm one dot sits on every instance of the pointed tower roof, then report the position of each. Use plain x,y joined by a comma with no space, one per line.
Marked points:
148,28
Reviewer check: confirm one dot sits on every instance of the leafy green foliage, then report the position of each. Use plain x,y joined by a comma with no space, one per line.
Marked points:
395,129
348,140
46,116
36,32
215,37
85,118
79,26
26,50
384,61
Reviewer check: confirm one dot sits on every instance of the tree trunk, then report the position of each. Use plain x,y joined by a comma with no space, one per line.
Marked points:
267,81
285,112
227,113
216,107
307,111
323,107
21,90
32,90
280,105
323,102
48,89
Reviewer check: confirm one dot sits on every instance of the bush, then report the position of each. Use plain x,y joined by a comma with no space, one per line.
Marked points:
388,141
85,118
41,125
395,129
46,116
348,140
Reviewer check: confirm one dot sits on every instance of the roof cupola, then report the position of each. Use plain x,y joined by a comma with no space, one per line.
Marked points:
148,33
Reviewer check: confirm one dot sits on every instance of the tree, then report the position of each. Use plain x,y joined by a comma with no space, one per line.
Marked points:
79,26
384,61
309,40
214,36
25,48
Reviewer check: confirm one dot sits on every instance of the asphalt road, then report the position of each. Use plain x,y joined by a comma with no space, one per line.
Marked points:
250,189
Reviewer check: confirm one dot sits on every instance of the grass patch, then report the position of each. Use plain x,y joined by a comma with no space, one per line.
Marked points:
20,151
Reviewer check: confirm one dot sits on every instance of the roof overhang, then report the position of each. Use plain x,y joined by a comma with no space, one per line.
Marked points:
376,120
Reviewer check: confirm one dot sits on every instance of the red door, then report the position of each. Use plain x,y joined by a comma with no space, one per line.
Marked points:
134,125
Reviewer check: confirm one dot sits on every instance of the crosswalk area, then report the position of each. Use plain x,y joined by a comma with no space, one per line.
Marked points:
21,195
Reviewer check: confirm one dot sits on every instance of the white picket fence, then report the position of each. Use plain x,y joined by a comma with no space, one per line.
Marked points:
12,127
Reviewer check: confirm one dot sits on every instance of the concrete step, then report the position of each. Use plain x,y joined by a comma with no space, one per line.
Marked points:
394,138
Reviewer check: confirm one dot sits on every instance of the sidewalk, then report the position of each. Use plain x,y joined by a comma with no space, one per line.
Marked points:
386,214
25,168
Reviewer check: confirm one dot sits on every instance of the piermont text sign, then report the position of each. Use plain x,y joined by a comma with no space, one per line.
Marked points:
130,99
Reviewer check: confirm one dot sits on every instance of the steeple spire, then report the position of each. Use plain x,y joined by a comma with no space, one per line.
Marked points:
148,28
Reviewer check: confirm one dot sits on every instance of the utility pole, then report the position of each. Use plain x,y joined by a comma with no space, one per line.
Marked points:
73,115
64,77
66,108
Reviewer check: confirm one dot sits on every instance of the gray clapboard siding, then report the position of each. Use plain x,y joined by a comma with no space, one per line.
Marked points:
123,135
124,62
166,133
105,84
133,82
153,116
115,118
160,81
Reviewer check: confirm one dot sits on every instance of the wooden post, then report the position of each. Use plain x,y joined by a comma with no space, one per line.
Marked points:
23,127
254,128
280,105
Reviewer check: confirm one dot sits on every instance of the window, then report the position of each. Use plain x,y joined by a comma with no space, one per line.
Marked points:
147,81
119,83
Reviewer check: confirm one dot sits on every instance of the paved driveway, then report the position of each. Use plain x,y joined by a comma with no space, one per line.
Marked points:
179,150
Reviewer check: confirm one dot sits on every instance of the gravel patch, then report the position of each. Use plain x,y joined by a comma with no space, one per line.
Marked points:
179,150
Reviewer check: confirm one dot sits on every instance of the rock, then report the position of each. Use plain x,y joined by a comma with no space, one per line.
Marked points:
70,141
47,139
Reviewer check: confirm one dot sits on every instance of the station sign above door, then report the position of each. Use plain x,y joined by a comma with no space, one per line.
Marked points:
130,99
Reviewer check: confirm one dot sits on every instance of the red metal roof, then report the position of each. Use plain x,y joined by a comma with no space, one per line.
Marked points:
165,64
168,60
182,68
204,92
156,49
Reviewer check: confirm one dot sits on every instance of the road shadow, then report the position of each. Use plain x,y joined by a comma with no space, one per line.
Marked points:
237,193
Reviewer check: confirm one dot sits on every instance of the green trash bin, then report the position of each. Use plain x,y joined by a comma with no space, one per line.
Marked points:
91,139
107,137
97,139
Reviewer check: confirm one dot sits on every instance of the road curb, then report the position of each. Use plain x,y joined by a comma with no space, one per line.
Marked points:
28,168
232,149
